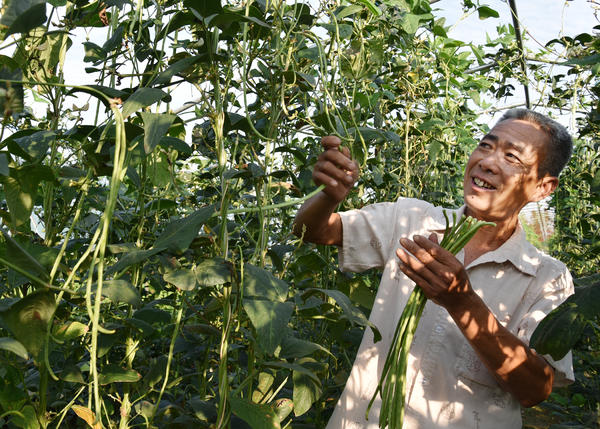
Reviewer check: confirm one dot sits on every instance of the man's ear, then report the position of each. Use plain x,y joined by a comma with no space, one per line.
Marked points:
545,187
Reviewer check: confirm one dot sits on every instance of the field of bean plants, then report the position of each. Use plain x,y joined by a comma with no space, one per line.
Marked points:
148,274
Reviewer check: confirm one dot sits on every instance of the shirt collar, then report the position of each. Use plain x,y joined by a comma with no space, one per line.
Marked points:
516,250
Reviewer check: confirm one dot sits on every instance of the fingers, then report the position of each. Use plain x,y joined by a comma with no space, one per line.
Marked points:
441,276
429,261
405,266
331,142
421,262
335,169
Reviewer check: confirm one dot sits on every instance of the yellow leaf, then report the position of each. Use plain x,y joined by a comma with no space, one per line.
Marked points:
87,415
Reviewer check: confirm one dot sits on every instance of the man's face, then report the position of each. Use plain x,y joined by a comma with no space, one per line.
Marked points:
502,172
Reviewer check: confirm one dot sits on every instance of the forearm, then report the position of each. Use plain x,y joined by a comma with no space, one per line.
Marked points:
316,221
517,368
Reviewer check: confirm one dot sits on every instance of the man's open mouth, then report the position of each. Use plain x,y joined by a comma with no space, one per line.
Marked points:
482,183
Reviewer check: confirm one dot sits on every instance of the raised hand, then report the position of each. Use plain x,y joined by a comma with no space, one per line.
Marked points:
335,169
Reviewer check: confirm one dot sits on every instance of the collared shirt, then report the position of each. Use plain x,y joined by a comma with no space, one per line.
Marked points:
447,385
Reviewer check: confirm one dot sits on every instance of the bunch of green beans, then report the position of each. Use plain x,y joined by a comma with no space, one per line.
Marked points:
391,385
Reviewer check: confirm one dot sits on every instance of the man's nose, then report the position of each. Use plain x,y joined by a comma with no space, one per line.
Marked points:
490,162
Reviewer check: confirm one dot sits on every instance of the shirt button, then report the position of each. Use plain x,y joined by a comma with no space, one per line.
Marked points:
439,329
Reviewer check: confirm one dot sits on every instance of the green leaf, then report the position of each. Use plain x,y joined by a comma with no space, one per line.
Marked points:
160,204
205,8
179,145
28,319
134,257
183,279
371,6
175,68
487,12
114,41
18,200
18,255
33,147
28,418
101,93
115,374
348,10
13,346
293,367
283,407
179,234
144,327
261,283
156,126
258,416
142,97
411,23
292,347
212,272
350,312
306,390
270,319
588,60
70,331
4,171
205,411
72,374
120,291
558,332
153,315
157,371
21,16
21,190
264,387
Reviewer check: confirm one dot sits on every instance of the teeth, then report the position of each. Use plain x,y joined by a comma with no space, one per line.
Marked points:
481,183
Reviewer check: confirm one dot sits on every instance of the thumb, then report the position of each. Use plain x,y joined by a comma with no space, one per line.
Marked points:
433,237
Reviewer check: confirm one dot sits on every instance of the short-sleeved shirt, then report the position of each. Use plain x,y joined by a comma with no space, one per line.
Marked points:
447,385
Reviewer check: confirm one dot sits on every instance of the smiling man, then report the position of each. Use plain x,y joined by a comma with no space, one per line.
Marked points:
470,364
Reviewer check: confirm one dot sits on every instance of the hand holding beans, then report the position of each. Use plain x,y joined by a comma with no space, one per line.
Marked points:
335,169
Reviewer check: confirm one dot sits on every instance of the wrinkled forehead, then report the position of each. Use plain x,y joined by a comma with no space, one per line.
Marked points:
523,136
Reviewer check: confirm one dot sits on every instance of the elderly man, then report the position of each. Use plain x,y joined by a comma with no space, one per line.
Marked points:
470,365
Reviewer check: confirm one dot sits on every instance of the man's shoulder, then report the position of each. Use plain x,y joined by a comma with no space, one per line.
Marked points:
550,268
423,207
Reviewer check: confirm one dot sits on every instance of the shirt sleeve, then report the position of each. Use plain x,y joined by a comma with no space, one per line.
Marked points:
554,293
367,237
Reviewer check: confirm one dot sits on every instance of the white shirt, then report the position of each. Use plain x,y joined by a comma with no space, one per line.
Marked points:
447,385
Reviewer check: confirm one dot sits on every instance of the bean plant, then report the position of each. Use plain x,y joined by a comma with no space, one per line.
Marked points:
149,277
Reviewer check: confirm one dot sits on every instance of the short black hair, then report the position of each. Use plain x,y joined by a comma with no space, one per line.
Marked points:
560,144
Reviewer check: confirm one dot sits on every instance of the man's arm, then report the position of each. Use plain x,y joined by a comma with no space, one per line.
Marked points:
316,221
516,367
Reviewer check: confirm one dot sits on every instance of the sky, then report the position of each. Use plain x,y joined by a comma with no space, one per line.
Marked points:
543,19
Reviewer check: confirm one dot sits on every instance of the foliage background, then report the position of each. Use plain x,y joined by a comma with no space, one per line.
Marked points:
149,274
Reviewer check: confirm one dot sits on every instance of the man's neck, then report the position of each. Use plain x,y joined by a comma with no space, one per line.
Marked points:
489,238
